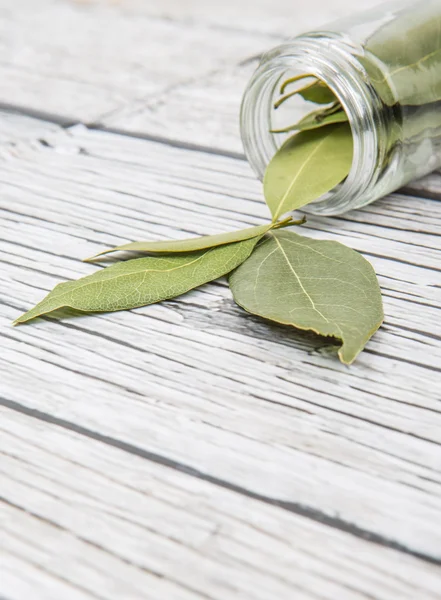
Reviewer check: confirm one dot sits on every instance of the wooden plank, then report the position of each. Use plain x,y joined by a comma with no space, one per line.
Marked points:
198,381
205,113
22,578
181,91
85,60
189,90
283,19
15,127
429,186
80,62
102,523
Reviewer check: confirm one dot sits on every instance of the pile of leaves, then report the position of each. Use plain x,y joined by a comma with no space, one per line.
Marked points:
273,271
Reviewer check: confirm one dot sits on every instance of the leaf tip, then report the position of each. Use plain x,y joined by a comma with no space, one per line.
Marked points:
18,321
347,361
25,317
95,256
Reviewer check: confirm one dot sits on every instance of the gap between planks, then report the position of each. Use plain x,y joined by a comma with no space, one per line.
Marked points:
298,509
428,187
210,542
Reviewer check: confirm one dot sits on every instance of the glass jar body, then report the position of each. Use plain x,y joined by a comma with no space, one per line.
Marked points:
384,66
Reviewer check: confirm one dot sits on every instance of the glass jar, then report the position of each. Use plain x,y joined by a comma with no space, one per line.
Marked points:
384,66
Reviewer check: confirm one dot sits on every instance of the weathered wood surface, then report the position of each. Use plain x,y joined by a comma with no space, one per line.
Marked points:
83,60
130,528
80,64
283,19
16,128
189,450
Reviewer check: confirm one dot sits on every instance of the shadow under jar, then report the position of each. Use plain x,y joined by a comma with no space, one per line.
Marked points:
384,66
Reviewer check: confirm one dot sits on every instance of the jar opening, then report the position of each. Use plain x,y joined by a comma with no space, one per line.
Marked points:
345,76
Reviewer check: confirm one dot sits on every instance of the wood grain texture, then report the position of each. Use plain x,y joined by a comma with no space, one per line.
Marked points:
188,450
429,186
127,527
71,70
205,112
15,127
77,62
204,384
262,16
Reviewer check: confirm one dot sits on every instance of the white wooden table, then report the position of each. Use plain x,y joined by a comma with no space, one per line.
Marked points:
188,450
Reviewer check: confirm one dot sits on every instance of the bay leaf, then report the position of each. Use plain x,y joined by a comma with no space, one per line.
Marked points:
295,79
316,91
316,285
315,120
190,244
403,57
142,281
308,165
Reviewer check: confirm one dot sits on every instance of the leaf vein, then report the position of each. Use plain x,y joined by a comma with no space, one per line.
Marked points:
299,281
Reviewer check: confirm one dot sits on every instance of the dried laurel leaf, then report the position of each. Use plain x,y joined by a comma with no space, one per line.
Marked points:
142,281
311,284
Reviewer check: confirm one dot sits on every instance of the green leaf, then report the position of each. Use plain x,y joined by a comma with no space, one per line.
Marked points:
311,284
308,165
317,91
294,79
410,46
314,120
191,244
143,281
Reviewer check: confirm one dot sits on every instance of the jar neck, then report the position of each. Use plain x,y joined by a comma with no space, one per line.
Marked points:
333,60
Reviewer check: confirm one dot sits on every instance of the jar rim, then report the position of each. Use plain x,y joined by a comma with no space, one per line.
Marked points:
342,72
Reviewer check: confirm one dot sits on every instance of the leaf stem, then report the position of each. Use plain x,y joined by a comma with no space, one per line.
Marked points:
284,98
294,127
286,83
288,222
331,110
